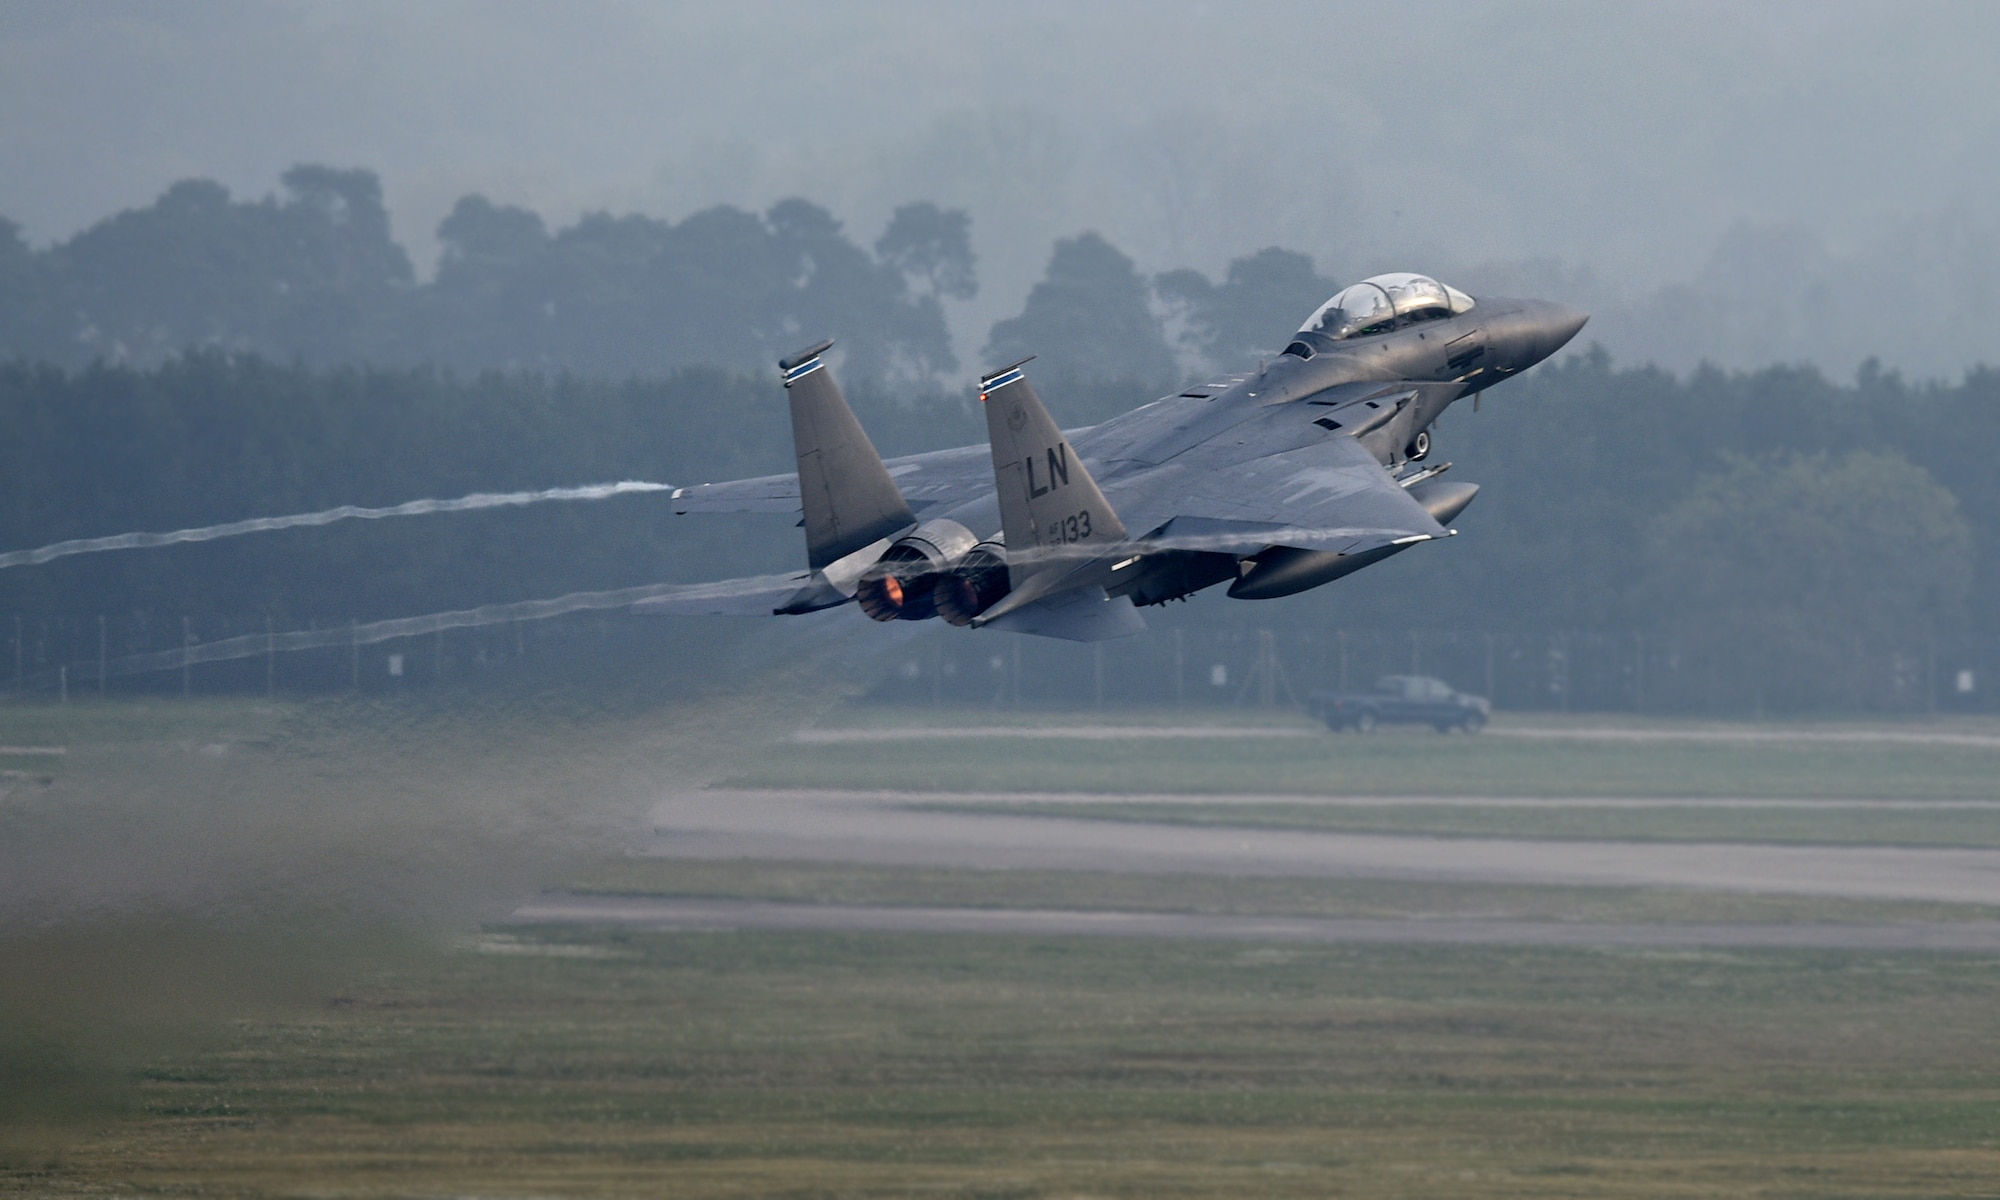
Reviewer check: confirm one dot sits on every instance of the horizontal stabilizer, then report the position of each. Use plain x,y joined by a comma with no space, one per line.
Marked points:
1077,615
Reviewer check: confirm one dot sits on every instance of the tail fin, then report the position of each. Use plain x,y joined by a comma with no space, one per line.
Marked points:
848,497
1047,499
1057,525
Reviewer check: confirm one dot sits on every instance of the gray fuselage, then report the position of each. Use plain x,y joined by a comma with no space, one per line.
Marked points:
1425,365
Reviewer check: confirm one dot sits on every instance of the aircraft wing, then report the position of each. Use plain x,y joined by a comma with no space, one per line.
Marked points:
1332,495
938,479
1077,615
766,493
1272,478
941,478
752,596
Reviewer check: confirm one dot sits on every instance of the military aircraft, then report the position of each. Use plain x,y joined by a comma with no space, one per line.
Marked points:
1310,468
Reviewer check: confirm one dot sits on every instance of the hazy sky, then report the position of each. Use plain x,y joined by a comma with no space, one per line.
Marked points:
1627,140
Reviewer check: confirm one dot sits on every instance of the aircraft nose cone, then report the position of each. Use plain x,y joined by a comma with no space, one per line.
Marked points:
1524,332
1558,324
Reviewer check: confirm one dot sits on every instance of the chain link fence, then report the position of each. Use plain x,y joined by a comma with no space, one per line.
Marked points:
1196,667
1523,672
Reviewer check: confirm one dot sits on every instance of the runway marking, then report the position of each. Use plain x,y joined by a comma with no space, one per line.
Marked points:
933,800
42,750
1838,737
1977,937
1851,737
973,800
1088,733
899,829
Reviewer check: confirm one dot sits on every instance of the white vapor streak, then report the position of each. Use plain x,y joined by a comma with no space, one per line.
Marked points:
250,645
346,512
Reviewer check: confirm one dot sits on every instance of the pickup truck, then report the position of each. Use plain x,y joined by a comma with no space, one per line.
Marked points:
1401,700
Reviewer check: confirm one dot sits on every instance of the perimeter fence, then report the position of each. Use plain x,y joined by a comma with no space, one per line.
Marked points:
1197,666
1519,671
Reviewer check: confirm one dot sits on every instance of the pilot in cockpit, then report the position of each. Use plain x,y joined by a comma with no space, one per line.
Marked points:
1384,302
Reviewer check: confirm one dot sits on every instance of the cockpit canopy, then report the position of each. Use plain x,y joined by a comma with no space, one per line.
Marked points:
1384,302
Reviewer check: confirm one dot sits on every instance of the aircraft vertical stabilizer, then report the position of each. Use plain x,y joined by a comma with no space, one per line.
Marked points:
1047,499
849,499
1055,522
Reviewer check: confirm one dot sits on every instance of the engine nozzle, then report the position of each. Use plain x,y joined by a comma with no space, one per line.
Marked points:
975,584
900,586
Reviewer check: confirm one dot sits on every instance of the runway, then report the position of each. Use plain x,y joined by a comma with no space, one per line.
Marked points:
880,828
724,915
1310,800
1692,735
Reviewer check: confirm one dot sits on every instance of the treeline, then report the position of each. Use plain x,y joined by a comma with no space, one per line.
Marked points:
1776,521
314,274
211,438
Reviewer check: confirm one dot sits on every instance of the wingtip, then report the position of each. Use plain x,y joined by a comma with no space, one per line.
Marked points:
802,357
990,376
993,381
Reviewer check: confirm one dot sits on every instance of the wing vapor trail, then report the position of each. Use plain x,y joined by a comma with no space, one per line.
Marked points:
250,645
346,512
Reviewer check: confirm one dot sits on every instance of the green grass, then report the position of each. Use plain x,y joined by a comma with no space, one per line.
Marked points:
1422,764
93,737
581,1063
1244,895
1907,824
89,720
257,1052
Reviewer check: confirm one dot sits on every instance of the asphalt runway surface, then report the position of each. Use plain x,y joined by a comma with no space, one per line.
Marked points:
1309,800
880,828
668,913
1696,735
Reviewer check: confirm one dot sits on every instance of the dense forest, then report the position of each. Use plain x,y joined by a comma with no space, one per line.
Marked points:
313,274
1777,520
206,360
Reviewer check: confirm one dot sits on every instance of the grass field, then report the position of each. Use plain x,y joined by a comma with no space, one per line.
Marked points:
1229,895
253,869
567,1063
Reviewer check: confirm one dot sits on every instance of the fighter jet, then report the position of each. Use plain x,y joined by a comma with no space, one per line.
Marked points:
1312,467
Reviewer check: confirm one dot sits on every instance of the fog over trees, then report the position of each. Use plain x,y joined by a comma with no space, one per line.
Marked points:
312,273
1777,534
1785,566
531,247
1791,181
1089,286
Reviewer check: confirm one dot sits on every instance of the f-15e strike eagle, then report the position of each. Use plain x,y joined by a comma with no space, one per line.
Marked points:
1274,482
